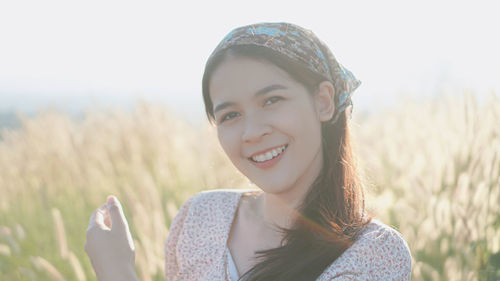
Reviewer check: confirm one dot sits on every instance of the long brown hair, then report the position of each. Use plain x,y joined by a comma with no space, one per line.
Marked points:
332,213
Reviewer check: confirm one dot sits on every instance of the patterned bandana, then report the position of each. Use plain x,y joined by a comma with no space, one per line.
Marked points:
302,46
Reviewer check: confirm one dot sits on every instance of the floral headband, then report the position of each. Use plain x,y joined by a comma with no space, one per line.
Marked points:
302,46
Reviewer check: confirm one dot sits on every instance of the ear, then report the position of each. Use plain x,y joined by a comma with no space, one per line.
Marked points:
325,101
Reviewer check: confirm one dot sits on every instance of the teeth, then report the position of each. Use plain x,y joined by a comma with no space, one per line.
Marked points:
268,155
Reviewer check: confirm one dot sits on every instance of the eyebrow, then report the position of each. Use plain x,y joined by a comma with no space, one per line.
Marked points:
260,92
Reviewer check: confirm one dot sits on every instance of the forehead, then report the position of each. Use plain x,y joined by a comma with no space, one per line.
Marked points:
239,77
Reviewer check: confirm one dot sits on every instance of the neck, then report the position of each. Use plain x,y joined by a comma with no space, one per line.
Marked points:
281,209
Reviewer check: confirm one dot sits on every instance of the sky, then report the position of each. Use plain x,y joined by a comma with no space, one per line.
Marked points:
74,55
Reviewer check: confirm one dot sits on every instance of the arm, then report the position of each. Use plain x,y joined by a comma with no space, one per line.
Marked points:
171,265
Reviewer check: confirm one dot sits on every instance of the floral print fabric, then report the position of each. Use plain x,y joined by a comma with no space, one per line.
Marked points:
302,46
196,248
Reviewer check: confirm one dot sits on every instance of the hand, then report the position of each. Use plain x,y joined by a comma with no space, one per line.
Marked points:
109,243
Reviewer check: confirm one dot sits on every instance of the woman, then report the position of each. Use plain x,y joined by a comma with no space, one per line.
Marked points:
280,102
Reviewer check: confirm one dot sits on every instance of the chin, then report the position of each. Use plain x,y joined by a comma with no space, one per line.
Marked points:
273,187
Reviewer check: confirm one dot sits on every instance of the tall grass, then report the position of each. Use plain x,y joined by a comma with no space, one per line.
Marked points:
433,170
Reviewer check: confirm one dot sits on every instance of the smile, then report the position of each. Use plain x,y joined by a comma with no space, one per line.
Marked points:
269,155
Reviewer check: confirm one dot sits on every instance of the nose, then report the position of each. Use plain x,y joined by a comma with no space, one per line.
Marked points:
255,129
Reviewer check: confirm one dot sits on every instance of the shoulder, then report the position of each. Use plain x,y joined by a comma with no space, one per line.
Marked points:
211,207
384,241
379,253
386,252
378,233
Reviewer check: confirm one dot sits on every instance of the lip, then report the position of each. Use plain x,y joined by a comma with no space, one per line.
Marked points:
269,163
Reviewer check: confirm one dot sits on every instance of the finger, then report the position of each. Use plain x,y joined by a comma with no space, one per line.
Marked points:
92,221
118,220
97,219
106,217
101,215
116,212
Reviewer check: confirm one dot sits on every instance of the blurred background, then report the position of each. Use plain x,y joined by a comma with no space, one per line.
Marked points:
100,97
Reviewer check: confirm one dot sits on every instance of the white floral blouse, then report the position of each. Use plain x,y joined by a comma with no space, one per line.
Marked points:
196,248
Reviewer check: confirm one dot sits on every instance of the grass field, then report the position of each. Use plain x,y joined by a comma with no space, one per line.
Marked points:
432,171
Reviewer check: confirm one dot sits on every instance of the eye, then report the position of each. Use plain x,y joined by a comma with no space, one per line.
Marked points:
229,116
272,100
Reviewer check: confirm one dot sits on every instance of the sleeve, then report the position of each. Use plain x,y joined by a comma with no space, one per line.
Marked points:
381,255
391,258
171,265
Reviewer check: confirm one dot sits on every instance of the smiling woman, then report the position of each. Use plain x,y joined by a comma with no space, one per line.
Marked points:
280,102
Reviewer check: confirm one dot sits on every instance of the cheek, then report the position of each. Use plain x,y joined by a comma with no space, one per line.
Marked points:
228,140
305,129
298,120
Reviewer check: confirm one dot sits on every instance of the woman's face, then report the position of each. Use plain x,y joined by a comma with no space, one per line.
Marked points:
268,125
